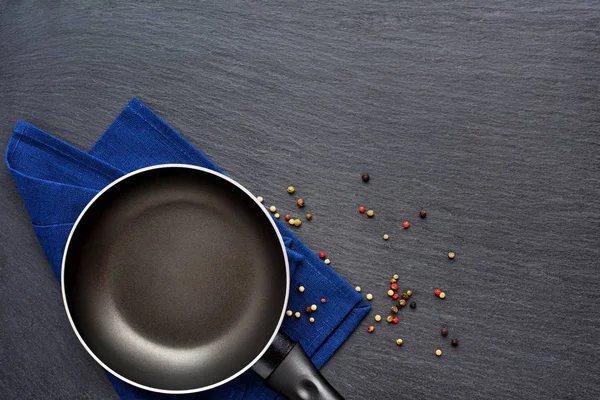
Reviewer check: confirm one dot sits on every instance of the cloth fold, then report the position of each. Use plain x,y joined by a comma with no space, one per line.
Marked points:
57,180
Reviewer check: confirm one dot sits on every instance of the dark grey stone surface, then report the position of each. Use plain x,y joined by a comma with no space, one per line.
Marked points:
485,113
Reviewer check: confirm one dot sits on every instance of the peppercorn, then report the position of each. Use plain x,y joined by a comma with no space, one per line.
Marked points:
301,289
276,215
313,307
308,216
395,276
444,332
438,352
390,292
327,261
273,209
406,224
399,342
423,213
394,286
393,280
404,296
323,300
287,217
378,318
291,189
389,319
311,320
409,293
365,177
437,292
289,313
402,303
451,255
369,296
297,222
454,342
308,310
386,236
395,309
292,221
370,213
413,305
396,320
297,315
260,199
322,255
442,295
395,296
358,289
300,203
361,209
370,329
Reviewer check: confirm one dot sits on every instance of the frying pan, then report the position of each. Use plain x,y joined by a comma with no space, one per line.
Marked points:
175,279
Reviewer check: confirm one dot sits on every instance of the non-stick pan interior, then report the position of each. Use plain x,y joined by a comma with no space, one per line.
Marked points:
175,279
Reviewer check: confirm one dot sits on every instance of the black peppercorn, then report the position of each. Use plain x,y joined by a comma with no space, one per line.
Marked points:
454,342
308,310
444,331
365,177
423,213
404,296
413,305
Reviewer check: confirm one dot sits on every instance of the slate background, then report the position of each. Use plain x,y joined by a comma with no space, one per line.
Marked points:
485,113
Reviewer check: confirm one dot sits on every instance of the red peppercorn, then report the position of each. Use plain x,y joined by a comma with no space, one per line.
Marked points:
437,292
371,328
395,296
394,286
322,255
406,224
323,301
287,217
361,209
396,320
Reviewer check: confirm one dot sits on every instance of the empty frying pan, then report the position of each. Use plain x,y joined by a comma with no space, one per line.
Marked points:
175,279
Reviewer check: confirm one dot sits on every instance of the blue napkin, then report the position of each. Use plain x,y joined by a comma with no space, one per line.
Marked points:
57,180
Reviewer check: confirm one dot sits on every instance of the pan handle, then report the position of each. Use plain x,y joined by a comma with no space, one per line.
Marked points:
286,368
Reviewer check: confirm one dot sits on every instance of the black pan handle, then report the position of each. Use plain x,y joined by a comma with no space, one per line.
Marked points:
286,368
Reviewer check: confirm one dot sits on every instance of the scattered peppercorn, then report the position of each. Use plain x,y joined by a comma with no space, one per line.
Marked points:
370,329
301,289
399,342
361,209
287,217
444,332
442,295
323,300
311,320
393,280
437,292
402,303
358,289
389,319
365,177
300,203
386,236
378,318
260,199
327,261
322,255
396,320
272,209
291,189
289,313
395,309
308,217
454,342
395,296
395,276
413,305
370,213
406,224
369,296
390,292
394,286
297,222
438,352
423,213
313,307
292,221
451,255
307,310
409,293
404,296
276,215
297,315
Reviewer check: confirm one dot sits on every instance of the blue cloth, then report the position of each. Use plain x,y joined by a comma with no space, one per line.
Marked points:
57,180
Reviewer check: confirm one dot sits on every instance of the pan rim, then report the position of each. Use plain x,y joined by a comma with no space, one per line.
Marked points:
283,250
